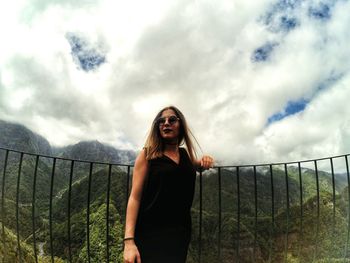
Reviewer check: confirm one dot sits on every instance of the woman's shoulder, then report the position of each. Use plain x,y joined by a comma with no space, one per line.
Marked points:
150,154
141,156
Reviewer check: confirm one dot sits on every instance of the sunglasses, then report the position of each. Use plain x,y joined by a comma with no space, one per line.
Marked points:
171,120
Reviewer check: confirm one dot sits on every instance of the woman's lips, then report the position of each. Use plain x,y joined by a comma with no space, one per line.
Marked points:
167,130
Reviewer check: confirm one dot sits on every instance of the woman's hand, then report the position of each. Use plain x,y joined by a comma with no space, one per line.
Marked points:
131,253
206,162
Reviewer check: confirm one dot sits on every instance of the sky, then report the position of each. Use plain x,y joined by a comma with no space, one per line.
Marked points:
258,81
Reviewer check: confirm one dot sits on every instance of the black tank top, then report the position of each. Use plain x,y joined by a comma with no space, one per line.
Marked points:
168,194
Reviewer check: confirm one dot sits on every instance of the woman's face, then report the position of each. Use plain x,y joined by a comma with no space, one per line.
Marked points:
169,125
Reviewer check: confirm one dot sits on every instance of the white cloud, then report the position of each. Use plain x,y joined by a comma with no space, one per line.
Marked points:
322,128
197,56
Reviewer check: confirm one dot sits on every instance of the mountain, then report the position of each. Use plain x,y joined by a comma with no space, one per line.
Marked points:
18,137
95,151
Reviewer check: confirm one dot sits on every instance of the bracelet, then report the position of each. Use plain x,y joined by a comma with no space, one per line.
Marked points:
129,238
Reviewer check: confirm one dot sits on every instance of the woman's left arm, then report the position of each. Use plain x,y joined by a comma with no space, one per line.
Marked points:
204,163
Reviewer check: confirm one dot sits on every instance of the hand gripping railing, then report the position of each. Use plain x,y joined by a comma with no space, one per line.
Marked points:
276,212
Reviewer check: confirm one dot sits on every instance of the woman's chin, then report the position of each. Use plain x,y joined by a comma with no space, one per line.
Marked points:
170,139
168,136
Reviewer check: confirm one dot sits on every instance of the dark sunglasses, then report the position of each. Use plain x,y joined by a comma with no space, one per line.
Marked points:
171,120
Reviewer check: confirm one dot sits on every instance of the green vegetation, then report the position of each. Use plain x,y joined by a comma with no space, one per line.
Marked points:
314,238
9,251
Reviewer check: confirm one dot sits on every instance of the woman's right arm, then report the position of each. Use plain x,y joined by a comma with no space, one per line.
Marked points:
131,252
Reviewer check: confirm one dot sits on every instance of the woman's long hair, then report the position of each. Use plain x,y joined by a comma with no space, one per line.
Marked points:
154,145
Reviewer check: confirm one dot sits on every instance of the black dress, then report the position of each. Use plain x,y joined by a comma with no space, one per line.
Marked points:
163,227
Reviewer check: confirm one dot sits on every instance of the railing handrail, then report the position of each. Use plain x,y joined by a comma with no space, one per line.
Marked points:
65,159
216,166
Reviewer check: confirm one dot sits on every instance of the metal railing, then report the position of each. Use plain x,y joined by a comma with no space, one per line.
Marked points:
249,213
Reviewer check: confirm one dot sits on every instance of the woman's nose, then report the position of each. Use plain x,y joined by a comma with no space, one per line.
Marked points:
166,121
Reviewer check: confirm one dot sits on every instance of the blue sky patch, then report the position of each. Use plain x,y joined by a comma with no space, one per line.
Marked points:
277,22
291,108
288,23
294,107
329,81
282,16
288,4
321,12
87,58
263,53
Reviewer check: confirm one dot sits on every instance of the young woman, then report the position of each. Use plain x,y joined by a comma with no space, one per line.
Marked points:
158,219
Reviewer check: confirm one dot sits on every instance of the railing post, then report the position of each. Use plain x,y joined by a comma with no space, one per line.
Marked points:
348,179
219,236
333,200
50,208
238,214
68,212
33,206
255,212
88,213
107,210
200,218
3,212
318,211
301,238
127,188
272,232
17,208
287,213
